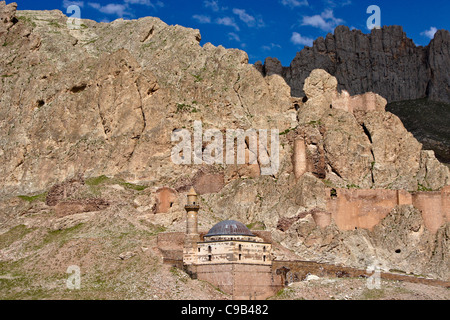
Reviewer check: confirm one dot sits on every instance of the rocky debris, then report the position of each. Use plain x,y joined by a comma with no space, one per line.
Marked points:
63,191
311,277
71,221
358,289
127,255
7,16
69,198
64,208
385,61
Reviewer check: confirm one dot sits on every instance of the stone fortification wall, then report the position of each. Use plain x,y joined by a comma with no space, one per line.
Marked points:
359,208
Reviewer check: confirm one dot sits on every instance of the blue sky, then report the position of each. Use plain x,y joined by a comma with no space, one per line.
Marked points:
265,28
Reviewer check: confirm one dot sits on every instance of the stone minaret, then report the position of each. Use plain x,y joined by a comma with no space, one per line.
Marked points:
192,236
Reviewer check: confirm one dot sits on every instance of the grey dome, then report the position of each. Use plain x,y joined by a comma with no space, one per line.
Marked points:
229,227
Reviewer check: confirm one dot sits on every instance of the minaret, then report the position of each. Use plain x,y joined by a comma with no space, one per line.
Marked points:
192,235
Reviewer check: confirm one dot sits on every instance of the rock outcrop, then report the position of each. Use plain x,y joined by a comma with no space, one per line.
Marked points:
104,99
353,141
385,61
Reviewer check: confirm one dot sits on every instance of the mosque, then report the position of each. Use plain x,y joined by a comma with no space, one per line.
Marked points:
229,256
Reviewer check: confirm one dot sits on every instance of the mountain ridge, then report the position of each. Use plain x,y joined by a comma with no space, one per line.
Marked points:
384,61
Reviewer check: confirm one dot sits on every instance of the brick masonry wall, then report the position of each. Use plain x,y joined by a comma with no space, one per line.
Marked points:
359,208
241,281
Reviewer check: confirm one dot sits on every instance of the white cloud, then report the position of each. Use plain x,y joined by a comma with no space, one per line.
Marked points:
270,47
227,21
248,19
68,3
143,2
147,3
294,3
124,9
201,18
298,39
234,36
341,3
325,21
111,8
429,33
213,4
94,5
244,16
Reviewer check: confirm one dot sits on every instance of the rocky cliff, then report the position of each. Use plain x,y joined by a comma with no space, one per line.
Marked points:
87,117
385,61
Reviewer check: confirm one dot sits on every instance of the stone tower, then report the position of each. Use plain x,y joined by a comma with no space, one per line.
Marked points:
192,236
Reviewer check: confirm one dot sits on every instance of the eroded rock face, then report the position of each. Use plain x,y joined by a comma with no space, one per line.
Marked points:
352,141
106,99
385,62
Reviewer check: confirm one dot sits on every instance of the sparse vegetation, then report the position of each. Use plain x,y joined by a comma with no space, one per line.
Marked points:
258,225
61,236
39,197
27,20
372,294
421,187
287,131
315,123
14,234
54,23
328,183
94,182
182,107
197,77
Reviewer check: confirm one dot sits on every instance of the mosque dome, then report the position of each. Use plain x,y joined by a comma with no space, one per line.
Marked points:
229,227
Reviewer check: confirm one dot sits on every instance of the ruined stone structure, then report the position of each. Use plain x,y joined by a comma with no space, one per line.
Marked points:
165,198
359,208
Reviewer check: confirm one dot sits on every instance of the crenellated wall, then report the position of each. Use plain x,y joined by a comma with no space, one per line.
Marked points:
363,102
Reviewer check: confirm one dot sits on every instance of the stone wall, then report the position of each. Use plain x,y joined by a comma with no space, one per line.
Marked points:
241,252
165,198
359,208
241,281
364,102
299,158
354,208
435,207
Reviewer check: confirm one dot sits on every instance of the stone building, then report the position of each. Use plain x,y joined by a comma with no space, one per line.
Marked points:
229,256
